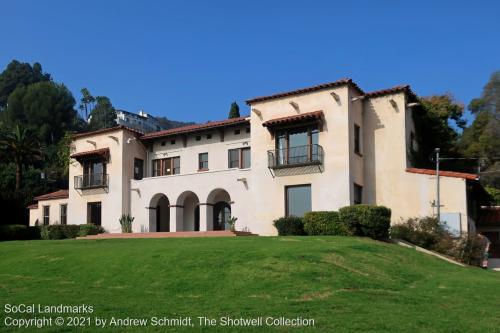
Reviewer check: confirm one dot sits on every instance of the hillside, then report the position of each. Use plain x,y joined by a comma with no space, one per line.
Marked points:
344,284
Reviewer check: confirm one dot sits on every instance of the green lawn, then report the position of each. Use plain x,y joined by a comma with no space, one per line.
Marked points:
344,284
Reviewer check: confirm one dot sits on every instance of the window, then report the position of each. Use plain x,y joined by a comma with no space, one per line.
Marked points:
63,214
234,158
297,145
166,166
94,172
236,132
358,194
245,158
247,129
46,215
239,158
138,168
209,136
357,139
172,142
297,200
163,143
94,213
198,138
203,161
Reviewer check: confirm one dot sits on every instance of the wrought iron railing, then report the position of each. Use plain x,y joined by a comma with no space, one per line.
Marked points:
295,156
94,180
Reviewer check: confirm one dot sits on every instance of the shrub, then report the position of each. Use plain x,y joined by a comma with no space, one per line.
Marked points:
90,229
470,250
366,220
58,231
428,233
425,232
289,226
324,223
18,232
126,223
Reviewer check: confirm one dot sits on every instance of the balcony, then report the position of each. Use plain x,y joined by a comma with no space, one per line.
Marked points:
91,181
295,157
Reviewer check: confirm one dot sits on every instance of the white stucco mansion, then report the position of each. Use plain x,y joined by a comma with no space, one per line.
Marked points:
316,148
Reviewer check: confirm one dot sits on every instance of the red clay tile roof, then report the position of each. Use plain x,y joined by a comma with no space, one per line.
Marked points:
402,88
315,115
196,128
489,216
103,152
345,81
463,175
61,194
106,130
33,206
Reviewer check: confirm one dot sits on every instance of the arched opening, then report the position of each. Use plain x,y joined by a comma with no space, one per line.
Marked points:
159,214
188,203
222,214
220,203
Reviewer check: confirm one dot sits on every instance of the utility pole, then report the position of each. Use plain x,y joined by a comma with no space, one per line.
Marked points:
438,203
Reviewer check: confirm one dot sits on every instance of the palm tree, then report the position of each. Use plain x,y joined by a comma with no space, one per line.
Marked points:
20,146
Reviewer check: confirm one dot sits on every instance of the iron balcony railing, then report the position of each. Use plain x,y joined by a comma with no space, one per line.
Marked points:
295,156
95,180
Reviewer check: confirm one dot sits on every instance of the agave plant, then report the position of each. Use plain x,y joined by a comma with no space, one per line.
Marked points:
232,222
126,223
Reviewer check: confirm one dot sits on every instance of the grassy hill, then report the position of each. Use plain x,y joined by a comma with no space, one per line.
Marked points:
344,284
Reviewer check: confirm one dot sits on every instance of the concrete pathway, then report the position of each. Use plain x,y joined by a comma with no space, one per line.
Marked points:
221,233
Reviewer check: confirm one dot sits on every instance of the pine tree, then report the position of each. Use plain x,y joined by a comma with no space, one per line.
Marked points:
234,112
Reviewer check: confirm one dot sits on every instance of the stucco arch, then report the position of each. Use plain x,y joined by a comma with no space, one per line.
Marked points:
159,213
218,209
188,211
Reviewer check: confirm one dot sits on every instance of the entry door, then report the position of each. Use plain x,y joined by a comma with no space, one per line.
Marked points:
94,213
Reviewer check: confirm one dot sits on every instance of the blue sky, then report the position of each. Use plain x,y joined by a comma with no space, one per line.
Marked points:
188,60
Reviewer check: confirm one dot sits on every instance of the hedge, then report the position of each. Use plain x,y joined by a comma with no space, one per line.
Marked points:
90,229
324,223
289,226
18,232
58,231
366,220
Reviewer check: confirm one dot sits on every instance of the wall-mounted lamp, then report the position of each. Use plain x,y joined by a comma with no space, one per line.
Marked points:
294,105
410,105
335,96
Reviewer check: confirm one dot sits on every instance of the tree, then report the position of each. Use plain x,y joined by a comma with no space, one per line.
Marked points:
482,138
87,102
20,146
19,74
435,119
103,114
234,112
46,108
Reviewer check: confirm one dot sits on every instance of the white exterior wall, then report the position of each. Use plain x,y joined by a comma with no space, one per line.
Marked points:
202,183
356,161
114,199
330,189
54,211
386,140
